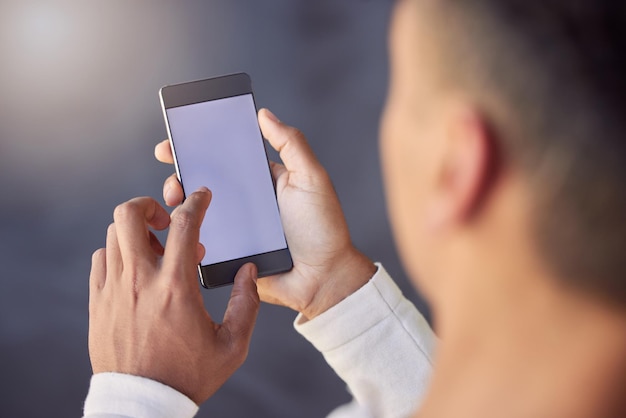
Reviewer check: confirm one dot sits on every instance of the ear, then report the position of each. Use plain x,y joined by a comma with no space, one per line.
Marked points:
464,171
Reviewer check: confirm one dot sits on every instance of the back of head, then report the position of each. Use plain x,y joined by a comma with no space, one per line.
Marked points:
551,76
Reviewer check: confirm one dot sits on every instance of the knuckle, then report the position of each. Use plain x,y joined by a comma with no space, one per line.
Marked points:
184,219
316,179
130,209
125,211
296,134
98,255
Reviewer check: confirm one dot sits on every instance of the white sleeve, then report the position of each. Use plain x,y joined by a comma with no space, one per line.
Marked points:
379,344
117,395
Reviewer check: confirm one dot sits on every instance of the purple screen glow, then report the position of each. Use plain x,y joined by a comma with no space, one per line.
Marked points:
218,144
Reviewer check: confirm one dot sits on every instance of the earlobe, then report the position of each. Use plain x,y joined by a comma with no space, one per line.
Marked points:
463,173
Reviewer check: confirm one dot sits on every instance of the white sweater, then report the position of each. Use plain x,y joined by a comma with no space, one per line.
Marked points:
375,340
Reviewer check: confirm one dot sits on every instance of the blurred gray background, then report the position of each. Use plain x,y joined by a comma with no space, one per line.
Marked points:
79,117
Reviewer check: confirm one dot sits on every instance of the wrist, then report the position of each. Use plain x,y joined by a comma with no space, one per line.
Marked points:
348,275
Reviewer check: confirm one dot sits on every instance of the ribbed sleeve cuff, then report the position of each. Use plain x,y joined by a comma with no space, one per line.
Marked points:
351,317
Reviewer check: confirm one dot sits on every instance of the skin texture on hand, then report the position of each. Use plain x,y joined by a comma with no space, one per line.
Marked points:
146,313
327,267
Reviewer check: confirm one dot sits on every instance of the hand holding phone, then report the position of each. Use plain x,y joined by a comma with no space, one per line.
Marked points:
327,267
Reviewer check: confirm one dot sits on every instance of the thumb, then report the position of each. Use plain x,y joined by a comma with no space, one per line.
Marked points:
243,306
290,143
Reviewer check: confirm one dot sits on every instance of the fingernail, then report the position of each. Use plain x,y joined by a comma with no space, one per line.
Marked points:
272,116
203,189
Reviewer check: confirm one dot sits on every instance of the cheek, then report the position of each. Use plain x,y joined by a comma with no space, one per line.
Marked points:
403,189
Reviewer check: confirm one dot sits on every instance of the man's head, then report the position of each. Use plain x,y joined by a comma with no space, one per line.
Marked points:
505,127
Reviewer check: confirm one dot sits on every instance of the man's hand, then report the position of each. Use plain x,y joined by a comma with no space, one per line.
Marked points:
327,267
146,314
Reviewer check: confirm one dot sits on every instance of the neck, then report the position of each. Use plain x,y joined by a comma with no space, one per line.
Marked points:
545,352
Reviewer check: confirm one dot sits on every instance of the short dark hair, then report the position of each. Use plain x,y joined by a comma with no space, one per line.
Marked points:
553,75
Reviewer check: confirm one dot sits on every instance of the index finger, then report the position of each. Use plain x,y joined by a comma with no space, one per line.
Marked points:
181,248
132,222
163,152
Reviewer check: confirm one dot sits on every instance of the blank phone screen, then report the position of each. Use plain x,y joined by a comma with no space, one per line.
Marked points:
218,144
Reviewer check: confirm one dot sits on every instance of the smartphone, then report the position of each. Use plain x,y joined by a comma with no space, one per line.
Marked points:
216,142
